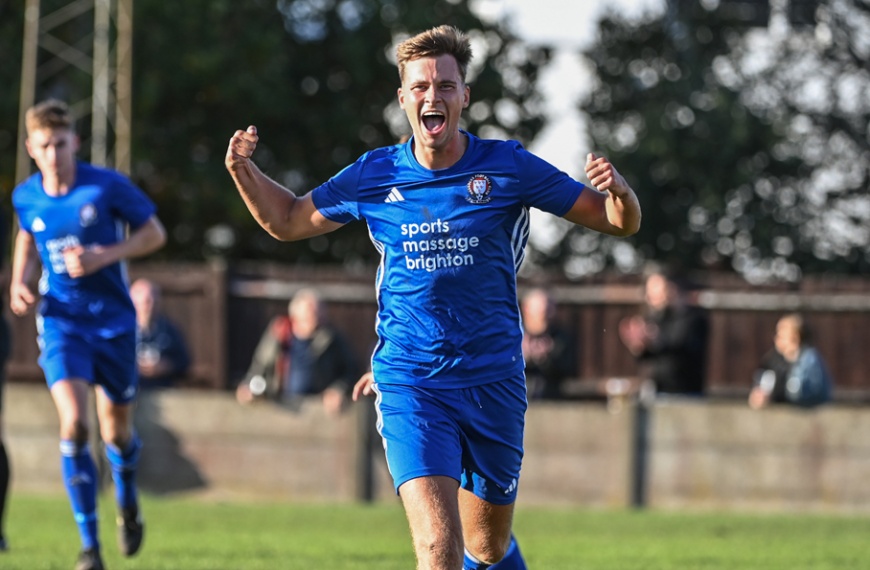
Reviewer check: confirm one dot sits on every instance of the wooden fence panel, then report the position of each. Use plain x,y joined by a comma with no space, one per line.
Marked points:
223,312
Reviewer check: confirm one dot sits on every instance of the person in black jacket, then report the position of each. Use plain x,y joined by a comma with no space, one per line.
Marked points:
670,338
299,355
793,371
547,348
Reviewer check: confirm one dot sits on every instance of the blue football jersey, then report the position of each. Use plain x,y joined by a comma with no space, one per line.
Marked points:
96,211
451,243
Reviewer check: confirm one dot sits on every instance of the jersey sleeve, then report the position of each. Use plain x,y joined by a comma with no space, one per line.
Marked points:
544,186
19,206
129,202
338,198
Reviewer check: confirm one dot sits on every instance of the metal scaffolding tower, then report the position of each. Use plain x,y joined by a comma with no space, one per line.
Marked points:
55,45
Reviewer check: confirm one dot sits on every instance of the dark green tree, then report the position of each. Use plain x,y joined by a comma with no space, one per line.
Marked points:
815,82
318,79
726,154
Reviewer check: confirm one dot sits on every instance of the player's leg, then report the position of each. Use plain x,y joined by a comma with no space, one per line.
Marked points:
122,447
433,516
493,425
118,386
66,359
421,440
486,528
77,464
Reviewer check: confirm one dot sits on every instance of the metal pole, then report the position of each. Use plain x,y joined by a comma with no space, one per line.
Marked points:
100,99
123,85
639,455
28,85
366,435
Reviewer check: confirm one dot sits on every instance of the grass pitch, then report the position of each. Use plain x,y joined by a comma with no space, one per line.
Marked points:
191,534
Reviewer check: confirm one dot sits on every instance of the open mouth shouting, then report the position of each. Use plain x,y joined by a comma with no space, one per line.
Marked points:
433,122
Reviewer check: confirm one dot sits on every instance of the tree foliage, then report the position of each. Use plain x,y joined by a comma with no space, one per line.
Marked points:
816,83
725,155
318,79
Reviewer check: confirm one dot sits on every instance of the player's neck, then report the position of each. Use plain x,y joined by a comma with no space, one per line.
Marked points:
58,183
442,157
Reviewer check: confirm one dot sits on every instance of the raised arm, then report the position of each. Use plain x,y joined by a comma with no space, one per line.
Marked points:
280,212
611,209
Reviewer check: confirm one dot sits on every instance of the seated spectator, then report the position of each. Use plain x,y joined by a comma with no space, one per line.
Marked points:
161,351
669,340
793,372
299,355
547,349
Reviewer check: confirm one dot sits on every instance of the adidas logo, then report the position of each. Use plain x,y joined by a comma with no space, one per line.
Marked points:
38,225
395,196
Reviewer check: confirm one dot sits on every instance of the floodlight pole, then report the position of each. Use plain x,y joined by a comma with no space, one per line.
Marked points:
111,88
27,93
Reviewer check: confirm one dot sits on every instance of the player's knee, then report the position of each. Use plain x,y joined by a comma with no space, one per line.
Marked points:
75,431
118,440
488,550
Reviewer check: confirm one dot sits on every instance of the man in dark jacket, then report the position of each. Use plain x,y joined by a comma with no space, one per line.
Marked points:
162,356
670,339
547,348
298,355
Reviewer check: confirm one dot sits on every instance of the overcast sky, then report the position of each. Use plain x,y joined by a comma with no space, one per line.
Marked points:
568,25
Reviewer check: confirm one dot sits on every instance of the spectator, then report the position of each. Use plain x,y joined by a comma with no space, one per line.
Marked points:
670,339
546,347
793,371
161,351
299,355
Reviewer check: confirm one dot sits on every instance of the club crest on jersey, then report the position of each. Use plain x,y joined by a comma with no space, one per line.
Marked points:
479,189
88,215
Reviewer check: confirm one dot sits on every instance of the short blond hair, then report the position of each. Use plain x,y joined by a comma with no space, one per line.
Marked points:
49,114
443,40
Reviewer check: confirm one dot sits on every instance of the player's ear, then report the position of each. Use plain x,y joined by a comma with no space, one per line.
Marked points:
401,96
466,98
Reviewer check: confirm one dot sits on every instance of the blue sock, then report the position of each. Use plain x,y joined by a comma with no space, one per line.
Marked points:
80,479
123,465
513,560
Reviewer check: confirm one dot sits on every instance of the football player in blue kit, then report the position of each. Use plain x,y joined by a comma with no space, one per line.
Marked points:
449,214
73,221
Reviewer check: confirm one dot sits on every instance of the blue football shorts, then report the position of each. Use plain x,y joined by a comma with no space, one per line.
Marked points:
474,435
108,362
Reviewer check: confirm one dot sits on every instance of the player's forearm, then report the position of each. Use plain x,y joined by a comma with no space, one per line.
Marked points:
623,213
270,204
24,259
147,238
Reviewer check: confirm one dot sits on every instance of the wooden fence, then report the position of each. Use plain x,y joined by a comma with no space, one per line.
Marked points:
223,310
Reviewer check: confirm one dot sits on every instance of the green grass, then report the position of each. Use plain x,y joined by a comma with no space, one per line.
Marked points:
190,534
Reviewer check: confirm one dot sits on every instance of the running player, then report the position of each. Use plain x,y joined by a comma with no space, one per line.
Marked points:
449,214
72,219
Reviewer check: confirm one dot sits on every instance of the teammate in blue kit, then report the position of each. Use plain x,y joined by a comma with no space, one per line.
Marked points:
73,218
449,214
